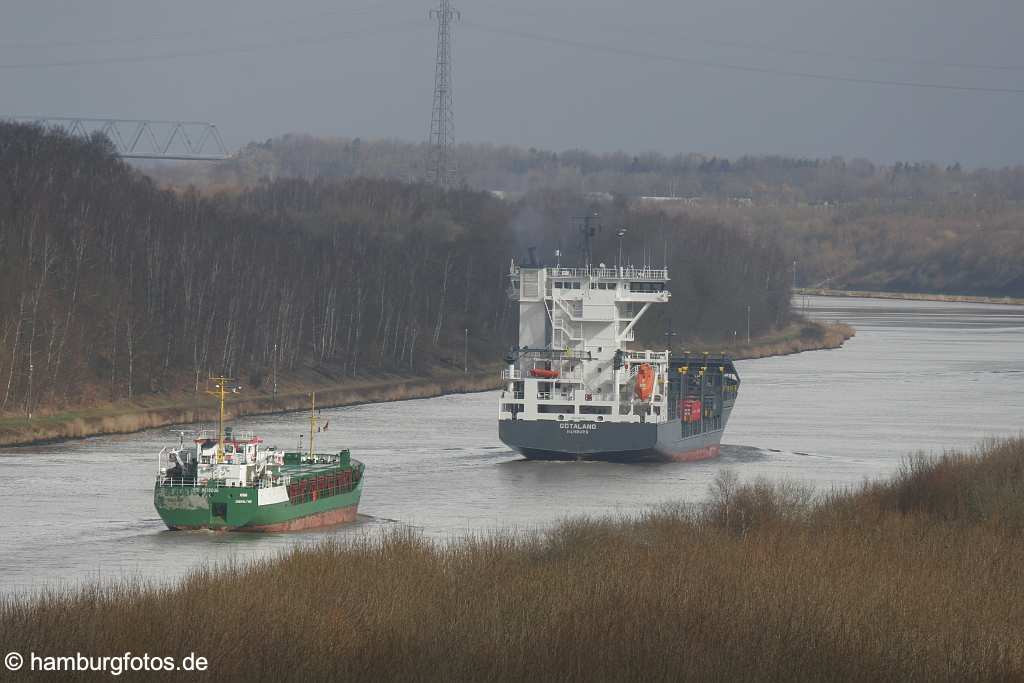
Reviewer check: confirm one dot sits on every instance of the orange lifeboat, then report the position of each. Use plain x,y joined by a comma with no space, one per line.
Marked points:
544,373
644,382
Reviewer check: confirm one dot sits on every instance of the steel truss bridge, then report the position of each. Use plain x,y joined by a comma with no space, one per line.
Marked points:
143,139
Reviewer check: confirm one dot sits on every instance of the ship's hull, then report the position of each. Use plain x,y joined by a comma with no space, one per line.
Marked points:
249,509
610,441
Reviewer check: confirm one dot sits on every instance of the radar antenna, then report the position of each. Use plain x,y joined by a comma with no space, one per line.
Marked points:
588,227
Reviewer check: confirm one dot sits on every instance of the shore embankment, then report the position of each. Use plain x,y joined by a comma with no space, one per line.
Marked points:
799,336
189,407
910,296
126,417
917,578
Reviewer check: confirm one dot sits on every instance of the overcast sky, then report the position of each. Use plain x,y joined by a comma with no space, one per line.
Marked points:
714,76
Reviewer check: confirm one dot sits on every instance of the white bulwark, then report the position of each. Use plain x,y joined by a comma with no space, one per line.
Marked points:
570,364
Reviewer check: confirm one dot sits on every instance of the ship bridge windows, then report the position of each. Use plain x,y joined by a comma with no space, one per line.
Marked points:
602,285
565,284
647,286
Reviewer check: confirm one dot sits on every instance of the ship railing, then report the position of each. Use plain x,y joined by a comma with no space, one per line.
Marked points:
624,418
229,435
264,484
239,435
617,272
527,354
574,312
567,333
519,374
178,481
196,482
161,459
644,297
589,397
647,356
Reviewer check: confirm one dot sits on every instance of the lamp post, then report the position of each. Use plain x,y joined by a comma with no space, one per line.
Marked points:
465,352
28,403
748,323
621,233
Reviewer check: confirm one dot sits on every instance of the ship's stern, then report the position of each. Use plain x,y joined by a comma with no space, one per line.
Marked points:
579,440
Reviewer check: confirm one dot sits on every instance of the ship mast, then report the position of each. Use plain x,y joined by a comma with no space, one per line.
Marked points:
220,392
588,228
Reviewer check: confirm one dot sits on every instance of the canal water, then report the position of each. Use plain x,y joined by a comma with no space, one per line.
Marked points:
918,376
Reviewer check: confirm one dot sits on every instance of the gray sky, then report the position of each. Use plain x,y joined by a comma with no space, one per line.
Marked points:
594,74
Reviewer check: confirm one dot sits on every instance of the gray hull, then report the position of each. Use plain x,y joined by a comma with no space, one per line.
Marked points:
590,440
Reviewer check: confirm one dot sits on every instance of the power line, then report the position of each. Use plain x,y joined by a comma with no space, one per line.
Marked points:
178,35
215,52
805,52
668,29
711,64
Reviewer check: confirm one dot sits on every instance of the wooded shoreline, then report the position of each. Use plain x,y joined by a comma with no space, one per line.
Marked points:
127,417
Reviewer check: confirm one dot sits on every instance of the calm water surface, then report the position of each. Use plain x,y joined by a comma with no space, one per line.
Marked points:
918,376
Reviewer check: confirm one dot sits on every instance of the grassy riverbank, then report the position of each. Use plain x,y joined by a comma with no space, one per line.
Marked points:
920,578
798,336
293,394
910,296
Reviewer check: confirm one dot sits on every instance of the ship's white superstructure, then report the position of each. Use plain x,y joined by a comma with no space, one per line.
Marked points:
570,364
572,390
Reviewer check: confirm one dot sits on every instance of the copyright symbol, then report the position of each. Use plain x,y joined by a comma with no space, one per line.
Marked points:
13,661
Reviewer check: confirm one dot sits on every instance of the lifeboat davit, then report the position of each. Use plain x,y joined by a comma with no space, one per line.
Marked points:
544,373
644,382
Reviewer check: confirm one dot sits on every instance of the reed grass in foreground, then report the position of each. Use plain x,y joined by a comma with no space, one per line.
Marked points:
918,578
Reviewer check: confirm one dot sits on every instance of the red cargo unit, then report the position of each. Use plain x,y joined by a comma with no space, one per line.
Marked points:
690,410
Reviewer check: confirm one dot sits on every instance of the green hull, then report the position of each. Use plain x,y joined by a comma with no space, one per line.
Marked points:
244,508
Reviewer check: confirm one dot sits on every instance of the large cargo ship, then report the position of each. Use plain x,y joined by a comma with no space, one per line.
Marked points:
572,388
227,480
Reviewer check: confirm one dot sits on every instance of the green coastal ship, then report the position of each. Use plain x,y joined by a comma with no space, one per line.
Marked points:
229,481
